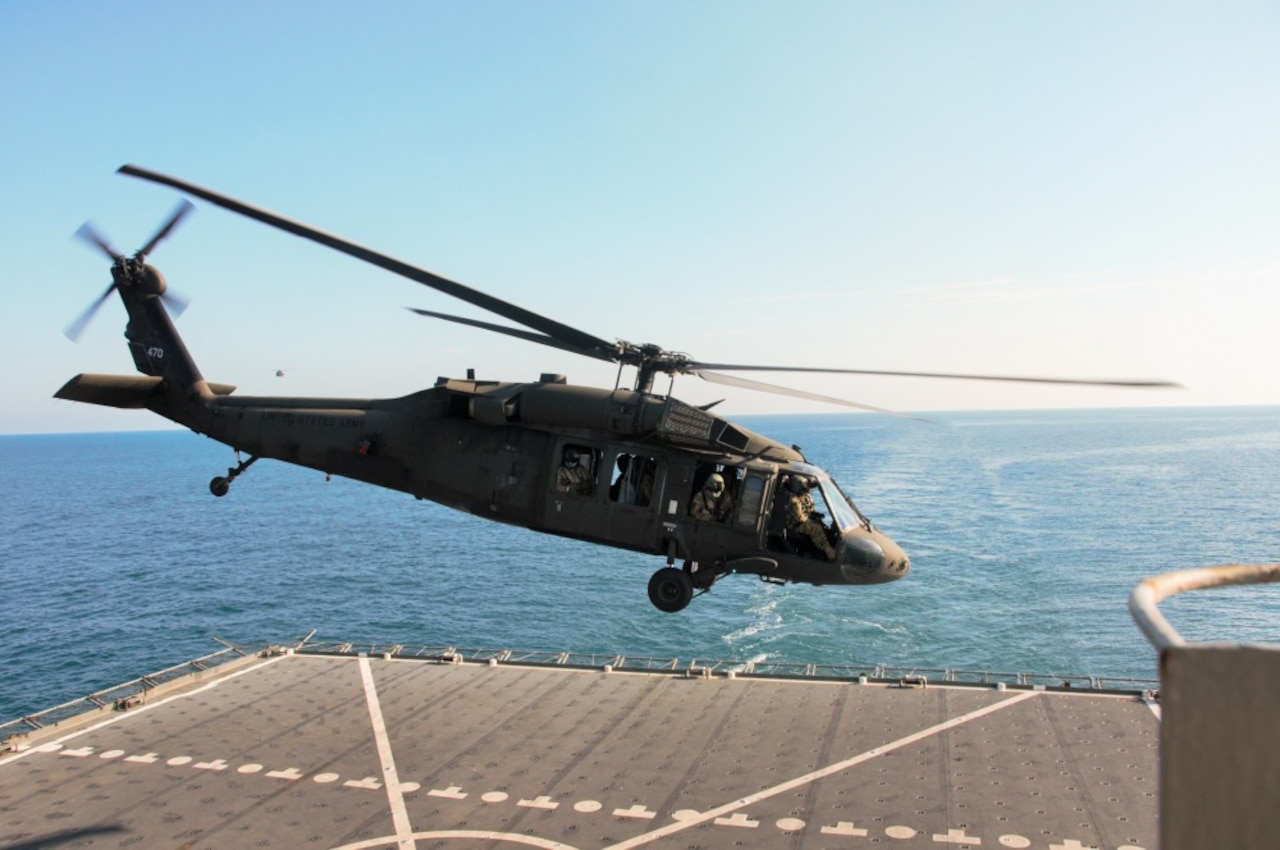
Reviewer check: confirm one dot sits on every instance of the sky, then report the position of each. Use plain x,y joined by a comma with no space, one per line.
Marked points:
1085,189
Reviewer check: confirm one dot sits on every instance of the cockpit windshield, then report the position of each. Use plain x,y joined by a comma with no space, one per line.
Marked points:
839,505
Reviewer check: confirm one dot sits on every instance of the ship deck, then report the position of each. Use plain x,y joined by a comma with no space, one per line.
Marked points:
371,750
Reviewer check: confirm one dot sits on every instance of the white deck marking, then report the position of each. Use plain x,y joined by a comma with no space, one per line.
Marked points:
453,792
395,796
792,784
844,827
956,836
216,764
475,834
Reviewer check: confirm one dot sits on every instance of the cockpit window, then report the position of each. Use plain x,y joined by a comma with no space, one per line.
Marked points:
840,508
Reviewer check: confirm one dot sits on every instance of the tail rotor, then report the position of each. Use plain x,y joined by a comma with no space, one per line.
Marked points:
131,271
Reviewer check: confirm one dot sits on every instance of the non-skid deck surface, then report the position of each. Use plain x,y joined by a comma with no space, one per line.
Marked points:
327,752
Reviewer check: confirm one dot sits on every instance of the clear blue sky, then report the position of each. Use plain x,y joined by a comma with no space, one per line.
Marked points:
1084,189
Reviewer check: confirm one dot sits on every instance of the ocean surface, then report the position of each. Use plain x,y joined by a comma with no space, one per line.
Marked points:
1027,531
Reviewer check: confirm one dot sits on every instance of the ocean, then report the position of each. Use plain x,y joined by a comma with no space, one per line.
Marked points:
1026,530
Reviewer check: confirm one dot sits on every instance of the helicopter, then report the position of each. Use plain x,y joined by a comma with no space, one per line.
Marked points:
629,468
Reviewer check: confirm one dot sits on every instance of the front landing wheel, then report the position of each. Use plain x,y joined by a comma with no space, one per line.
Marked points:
670,589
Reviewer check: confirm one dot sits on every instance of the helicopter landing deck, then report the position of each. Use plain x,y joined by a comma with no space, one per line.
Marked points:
373,750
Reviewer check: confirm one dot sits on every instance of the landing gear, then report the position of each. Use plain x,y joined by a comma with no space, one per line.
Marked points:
670,589
220,485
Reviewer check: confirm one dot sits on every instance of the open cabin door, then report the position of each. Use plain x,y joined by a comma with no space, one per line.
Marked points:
734,525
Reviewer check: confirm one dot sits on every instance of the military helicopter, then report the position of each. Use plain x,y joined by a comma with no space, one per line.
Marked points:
628,468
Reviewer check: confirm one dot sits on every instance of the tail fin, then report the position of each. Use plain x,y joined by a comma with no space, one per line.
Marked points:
154,342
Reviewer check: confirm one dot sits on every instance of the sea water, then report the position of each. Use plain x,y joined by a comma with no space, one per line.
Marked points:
1026,530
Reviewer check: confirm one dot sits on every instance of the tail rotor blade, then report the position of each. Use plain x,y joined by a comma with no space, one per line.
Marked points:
175,303
88,233
76,328
178,214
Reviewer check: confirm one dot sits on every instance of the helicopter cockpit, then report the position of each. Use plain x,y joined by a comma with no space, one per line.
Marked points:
811,514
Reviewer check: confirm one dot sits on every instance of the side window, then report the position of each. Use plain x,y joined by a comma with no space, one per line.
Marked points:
576,474
633,477
749,501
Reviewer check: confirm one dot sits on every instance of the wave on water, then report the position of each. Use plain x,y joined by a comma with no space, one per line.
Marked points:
766,619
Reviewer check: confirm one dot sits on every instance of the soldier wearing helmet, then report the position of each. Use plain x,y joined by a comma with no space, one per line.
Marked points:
574,476
803,520
712,503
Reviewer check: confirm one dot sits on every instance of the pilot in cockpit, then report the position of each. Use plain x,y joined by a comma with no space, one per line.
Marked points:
803,519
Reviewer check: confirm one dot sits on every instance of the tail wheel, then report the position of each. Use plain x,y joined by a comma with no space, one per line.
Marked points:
670,589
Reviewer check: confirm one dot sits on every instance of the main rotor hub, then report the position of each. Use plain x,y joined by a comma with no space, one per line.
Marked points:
649,360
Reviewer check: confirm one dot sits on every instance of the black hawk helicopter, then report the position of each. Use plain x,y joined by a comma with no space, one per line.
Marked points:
627,468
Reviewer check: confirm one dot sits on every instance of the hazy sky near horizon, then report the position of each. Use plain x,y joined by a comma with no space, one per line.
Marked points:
1085,189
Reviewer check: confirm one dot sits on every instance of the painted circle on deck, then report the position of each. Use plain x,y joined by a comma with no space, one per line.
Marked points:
251,768
686,814
494,796
178,761
587,806
111,754
322,778
900,832
795,825
1016,841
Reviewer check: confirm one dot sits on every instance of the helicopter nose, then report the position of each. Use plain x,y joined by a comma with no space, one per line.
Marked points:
870,557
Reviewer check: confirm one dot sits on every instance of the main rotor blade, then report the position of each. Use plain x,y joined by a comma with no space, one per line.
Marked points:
88,233
736,367
77,327
564,333
745,383
541,339
178,214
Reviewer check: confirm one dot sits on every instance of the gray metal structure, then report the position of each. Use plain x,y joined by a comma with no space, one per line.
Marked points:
1220,736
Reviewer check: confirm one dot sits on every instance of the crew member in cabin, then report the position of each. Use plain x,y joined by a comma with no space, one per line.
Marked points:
574,476
712,502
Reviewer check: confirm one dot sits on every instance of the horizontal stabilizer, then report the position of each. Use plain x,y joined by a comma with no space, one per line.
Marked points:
127,391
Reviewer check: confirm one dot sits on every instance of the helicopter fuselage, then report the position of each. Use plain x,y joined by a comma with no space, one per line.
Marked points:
495,450
625,468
